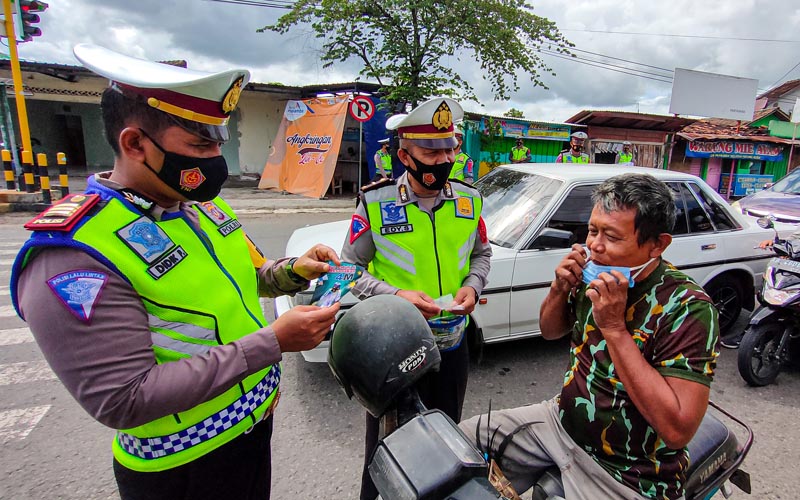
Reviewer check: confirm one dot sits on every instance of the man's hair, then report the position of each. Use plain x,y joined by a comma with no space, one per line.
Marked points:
120,111
651,198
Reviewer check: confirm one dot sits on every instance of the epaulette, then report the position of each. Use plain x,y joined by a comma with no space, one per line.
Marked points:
464,184
565,151
64,214
377,185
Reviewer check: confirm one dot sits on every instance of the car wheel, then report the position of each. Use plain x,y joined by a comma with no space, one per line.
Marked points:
728,297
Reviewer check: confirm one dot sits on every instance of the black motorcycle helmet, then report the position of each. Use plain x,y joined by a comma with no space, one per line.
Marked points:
380,347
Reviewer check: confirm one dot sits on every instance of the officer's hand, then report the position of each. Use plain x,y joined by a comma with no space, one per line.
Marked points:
465,297
421,301
569,271
304,327
314,263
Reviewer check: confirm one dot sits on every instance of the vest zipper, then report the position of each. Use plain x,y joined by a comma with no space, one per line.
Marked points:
436,248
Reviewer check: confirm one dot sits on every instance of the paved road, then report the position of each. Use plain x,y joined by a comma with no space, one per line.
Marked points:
51,449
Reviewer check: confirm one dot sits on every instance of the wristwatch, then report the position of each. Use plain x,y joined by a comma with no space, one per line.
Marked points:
293,275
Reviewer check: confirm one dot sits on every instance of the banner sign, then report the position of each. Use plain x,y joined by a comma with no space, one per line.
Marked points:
734,149
306,147
526,130
743,184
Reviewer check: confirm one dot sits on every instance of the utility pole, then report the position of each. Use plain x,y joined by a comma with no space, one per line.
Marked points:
16,73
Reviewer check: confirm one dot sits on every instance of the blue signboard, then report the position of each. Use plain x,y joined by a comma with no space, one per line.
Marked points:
743,184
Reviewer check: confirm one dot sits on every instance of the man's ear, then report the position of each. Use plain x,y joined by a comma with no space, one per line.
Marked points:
660,244
404,157
131,144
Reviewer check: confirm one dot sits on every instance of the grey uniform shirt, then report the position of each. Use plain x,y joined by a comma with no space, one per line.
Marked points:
108,365
362,250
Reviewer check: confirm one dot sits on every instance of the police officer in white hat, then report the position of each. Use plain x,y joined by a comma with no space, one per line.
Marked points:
625,156
143,292
424,239
575,152
463,164
383,161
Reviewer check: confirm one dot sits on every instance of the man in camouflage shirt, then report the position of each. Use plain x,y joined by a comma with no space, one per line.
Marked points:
641,359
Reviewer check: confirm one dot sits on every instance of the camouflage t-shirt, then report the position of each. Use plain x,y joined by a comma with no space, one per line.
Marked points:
675,325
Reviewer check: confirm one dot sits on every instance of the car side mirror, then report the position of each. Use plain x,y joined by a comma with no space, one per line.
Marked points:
552,238
765,222
768,185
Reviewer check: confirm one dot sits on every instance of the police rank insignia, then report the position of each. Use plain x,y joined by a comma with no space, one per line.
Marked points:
443,117
224,222
465,208
64,214
152,245
79,291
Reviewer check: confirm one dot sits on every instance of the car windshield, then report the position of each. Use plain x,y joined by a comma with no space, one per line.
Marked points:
790,184
511,201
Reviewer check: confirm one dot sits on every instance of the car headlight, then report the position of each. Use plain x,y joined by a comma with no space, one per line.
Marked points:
780,297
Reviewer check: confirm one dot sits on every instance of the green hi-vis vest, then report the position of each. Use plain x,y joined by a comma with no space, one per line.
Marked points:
386,162
625,158
568,158
417,251
199,290
519,153
458,166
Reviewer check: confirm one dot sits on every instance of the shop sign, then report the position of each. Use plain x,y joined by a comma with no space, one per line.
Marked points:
743,184
734,149
512,128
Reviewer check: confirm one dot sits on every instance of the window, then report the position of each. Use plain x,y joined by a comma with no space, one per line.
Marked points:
681,222
719,216
574,212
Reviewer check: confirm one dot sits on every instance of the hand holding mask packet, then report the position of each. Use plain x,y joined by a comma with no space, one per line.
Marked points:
591,271
335,284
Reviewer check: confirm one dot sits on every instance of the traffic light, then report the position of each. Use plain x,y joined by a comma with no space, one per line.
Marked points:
28,19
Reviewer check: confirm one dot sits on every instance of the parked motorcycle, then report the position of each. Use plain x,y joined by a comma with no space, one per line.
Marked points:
775,324
382,346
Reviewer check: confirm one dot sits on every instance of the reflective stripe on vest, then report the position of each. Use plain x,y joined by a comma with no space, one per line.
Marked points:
161,446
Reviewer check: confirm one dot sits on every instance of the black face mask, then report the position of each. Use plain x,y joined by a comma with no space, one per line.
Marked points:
432,177
198,179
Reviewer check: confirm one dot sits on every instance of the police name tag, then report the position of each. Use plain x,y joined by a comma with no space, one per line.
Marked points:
401,228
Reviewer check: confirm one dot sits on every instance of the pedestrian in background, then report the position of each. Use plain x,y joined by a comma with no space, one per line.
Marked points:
575,152
519,153
383,161
463,164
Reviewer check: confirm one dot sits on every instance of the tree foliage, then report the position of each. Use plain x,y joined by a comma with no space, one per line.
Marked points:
514,113
413,48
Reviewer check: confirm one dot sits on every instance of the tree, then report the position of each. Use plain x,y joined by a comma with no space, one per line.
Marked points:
406,45
514,113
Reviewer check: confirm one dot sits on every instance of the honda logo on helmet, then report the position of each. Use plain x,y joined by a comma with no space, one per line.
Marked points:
414,361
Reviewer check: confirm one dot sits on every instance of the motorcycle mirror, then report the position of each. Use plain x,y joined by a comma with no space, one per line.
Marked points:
765,222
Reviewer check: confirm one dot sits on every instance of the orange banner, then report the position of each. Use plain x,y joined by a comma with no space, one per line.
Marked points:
306,147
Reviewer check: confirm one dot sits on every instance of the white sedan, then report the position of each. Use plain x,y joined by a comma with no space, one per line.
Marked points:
531,211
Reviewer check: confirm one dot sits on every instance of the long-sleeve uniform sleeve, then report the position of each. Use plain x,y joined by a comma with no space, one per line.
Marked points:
109,366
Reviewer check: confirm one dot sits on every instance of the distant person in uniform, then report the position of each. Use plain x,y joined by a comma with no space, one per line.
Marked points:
143,292
625,157
462,167
383,161
520,153
575,152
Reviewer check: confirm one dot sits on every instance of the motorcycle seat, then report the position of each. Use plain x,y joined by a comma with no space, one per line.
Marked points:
712,447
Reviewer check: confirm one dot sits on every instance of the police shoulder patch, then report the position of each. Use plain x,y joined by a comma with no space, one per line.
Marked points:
79,291
358,226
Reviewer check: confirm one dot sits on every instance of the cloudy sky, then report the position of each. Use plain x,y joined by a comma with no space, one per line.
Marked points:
757,39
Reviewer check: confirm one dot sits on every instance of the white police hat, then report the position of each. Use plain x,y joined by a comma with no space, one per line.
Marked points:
384,141
626,143
579,135
198,101
429,125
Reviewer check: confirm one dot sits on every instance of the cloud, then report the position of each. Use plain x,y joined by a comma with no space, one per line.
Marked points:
213,35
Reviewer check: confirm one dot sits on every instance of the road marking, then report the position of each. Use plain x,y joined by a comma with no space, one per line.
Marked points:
6,262
7,312
4,290
15,336
16,424
12,244
28,371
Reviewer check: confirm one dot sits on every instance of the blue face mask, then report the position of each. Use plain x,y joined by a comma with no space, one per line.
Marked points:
592,271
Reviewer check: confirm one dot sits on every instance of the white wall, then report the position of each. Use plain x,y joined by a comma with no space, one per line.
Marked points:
260,116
